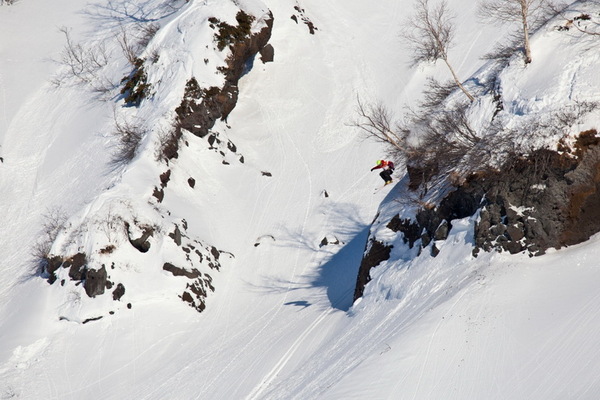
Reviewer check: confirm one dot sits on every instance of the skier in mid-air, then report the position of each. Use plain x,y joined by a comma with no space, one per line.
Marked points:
388,169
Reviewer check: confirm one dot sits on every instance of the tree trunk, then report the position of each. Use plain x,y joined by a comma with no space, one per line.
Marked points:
460,85
524,15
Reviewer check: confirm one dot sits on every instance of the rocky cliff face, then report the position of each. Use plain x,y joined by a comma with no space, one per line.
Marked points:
122,241
548,199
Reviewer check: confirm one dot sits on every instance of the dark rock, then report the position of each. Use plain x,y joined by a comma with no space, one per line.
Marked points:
95,282
77,270
141,243
164,178
267,54
215,253
441,233
176,271
425,239
231,146
198,117
176,236
192,182
557,195
513,247
91,319
412,230
515,232
498,230
326,241
159,194
50,266
118,292
376,254
187,297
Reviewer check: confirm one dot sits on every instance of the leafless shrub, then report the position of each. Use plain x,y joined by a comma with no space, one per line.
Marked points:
135,40
168,144
84,65
53,222
445,139
129,137
111,224
435,93
377,123
129,49
146,33
8,2
430,32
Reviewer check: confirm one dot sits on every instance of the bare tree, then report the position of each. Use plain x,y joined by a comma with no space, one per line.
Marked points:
430,33
376,122
527,13
84,65
129,138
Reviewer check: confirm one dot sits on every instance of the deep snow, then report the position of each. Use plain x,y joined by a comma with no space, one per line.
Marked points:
281,323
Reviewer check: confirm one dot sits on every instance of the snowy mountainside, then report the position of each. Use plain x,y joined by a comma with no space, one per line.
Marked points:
281,323
131,223
527,153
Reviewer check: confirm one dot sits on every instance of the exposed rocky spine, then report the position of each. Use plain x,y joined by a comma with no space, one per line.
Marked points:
547,199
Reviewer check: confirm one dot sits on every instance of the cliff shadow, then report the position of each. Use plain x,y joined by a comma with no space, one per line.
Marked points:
337,249
338,274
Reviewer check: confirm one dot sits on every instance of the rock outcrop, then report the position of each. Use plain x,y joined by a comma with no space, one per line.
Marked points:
547,199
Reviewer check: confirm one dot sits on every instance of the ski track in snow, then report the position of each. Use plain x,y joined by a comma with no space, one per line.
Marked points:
428,351
4,121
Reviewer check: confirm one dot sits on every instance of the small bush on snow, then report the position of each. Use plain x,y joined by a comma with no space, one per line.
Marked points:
129,137
136,88
53,221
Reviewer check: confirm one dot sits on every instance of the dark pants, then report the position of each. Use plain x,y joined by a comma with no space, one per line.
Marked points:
386,175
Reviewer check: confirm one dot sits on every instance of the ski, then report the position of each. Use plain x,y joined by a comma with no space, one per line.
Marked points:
381,187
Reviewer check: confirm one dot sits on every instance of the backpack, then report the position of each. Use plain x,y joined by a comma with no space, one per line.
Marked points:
390,165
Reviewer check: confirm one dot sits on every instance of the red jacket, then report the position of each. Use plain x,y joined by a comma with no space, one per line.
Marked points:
384,165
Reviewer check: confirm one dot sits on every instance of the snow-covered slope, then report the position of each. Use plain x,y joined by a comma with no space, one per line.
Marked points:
280,323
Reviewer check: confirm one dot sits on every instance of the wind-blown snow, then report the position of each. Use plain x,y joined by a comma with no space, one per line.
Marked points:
281,323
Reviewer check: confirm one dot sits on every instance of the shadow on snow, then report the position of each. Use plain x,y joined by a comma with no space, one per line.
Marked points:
333,266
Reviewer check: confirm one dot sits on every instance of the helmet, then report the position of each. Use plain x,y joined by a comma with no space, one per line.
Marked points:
379,162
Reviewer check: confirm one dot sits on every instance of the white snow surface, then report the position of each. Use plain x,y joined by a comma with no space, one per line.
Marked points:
281,323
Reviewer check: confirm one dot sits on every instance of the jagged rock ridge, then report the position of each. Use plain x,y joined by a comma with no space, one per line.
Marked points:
548,199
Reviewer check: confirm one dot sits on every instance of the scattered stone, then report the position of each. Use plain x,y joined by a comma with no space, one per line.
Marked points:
95,282
176,271
267,53
164,178
176,236
141,243
91,319
118,292
159,194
